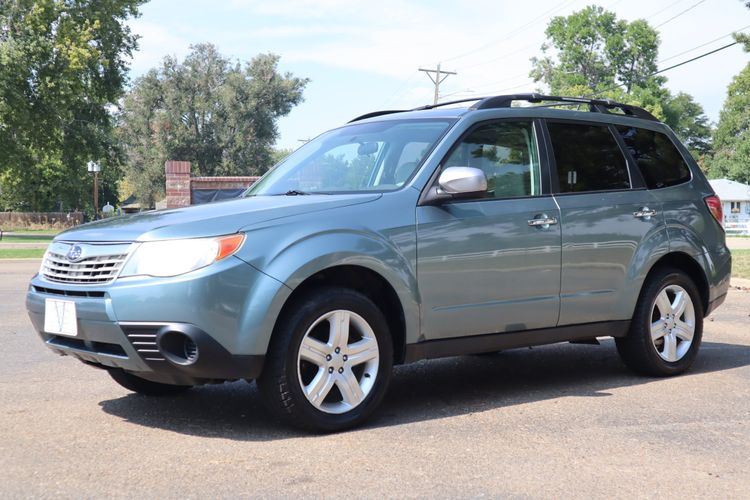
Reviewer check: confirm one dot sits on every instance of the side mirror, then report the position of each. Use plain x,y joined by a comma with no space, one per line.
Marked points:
462,180
457,182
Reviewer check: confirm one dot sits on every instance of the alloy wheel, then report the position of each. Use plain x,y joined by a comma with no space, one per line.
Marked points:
338,361
672,323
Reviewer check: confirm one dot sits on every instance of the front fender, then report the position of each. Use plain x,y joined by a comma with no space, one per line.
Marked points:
298,255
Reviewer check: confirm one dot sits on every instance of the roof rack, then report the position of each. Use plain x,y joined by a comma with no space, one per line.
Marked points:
373,114
505,101
595,105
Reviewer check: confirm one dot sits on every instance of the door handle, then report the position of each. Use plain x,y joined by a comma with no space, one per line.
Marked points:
543,222
644,213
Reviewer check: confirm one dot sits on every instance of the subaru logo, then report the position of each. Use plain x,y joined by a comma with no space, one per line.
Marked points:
74,253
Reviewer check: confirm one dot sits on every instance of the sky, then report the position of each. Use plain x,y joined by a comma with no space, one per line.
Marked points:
363,56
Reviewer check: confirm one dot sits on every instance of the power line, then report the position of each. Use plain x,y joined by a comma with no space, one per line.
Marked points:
694,59
706,54
664,9
504,80
495,59
704,44
681,13
401,88
512,33
668,68
607,89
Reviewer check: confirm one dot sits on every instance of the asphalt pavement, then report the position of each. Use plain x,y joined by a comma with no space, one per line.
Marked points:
555,421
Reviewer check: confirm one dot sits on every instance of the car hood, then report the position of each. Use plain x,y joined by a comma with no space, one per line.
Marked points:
212,219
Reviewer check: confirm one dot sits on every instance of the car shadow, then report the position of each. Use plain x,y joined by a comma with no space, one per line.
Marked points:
421,391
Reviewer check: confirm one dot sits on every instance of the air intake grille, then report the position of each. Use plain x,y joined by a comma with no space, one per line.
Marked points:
97,264
143,339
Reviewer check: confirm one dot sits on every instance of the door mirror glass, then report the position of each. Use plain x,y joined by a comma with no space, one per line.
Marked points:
462,180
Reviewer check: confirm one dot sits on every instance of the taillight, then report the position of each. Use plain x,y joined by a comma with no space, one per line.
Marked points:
714,206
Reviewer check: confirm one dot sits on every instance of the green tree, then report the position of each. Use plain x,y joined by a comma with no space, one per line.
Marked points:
218,114
63,63
731,157
594,50
688,120
744,38
595,54
279,154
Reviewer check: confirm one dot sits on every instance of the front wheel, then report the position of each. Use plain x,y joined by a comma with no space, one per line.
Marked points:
667,326
329,363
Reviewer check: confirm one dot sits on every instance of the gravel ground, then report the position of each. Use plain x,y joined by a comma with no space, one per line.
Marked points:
557,421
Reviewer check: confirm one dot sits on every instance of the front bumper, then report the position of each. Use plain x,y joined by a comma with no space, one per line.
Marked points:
132,323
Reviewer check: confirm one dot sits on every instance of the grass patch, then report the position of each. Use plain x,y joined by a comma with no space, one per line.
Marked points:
27,239
741,264
21,253
24,230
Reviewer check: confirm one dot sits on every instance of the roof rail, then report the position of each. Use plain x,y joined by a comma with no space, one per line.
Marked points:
505,101
595,105
420,108
446,103
373,114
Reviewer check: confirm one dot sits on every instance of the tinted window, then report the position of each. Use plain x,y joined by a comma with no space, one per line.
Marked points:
507,153
588,158
657,157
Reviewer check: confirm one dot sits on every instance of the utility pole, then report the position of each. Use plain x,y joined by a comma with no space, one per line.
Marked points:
440,76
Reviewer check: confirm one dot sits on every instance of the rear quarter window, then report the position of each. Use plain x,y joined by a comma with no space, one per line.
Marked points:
659,161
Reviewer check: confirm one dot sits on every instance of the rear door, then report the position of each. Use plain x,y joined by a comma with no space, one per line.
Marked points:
607,218
487,264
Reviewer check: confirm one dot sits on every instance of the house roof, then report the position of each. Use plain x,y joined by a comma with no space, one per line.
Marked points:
731,190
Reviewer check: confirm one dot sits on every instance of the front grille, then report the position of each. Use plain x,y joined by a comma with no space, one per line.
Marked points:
143,339
69,293
87,345
100,263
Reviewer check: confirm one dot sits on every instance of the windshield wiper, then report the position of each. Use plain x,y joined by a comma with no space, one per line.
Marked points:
293,192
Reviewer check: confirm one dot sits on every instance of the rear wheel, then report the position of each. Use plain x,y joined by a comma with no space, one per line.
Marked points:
143,386
329,363
667,326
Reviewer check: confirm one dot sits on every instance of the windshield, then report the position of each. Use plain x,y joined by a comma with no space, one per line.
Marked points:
379,156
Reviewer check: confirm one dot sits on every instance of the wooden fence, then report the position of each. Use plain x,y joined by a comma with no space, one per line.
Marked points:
39,220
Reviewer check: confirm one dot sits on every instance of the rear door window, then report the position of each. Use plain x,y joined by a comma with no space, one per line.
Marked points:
659,161
588,158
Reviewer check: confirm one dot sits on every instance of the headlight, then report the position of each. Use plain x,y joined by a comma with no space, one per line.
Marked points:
175,257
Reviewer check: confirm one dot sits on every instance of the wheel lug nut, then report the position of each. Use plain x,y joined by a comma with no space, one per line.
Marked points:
346,357
341,370
330,370
338,350
328,357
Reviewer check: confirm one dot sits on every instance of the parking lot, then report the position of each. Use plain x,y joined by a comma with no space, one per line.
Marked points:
564,420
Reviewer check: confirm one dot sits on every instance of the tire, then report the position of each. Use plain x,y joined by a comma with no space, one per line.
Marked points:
315,378
667,326
145,387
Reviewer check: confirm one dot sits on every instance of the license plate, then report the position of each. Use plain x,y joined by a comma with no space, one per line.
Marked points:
60,317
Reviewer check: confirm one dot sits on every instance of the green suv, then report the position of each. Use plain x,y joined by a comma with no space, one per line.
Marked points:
403,235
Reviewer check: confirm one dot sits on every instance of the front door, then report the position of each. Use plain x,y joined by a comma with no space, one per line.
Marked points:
486,265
